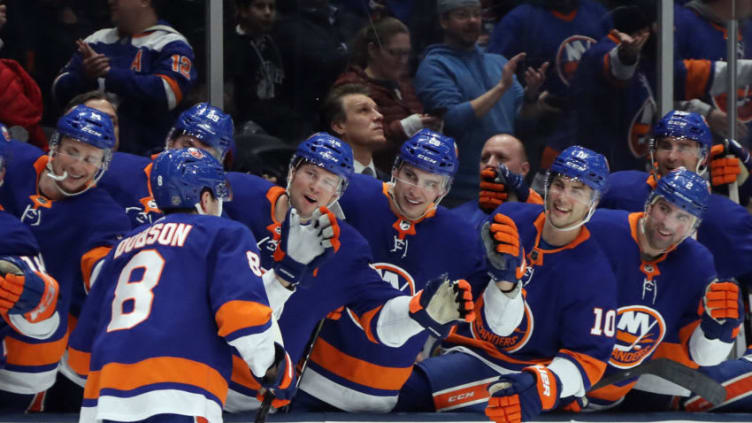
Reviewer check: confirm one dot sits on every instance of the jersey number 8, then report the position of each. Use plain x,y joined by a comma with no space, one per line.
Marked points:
138,293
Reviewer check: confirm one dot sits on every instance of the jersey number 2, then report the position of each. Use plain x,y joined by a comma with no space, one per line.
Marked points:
133,298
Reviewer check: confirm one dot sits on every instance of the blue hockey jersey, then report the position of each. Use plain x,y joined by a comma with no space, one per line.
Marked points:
569,293
150,72
346,279
347,369
184,290
127,182
725,223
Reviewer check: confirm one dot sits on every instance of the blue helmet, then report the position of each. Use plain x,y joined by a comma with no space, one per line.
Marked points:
179,176
584,164
684,189
209,125
87,125
326,151
680,124
430,151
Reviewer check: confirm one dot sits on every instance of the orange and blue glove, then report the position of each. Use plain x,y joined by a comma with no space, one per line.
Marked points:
520,397
441,304
505,254
281,383
721,311
497,184
726,162
25,291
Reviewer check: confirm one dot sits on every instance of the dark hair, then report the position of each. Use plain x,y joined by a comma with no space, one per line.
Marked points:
91,95
332,109
378,33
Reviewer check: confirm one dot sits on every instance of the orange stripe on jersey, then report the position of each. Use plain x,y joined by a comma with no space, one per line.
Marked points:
461,396
737,388
89,260
676,352
698,78
359,371
612,392
42,354
241,374
127,377
79,361
365,322
174,87
490,350
593,367
236,315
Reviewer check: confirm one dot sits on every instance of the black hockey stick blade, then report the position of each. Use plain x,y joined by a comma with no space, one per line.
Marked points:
674,372
266,405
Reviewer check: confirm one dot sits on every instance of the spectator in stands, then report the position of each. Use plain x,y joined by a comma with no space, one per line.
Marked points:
380,54
478,91
351,114
557,32
254,68
313,43
144,61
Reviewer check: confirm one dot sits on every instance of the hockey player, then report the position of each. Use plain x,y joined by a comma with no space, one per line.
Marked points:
560,347
28,296
202,126
412,240
75,224
682,139
188,289
320,171
677,276
503,168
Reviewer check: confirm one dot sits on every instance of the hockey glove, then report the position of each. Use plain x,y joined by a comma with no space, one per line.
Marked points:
441,304
304,246
495,186
282,381
24,291
721,307
725,163
523,396
505,254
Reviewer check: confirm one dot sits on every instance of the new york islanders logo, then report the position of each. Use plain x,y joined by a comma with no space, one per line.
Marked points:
396,276
569,54
640,128
640,329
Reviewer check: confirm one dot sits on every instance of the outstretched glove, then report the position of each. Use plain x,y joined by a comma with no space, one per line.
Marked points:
281,382
725,161
25,291
441,304
503,249
721,314
523,396
304,246
495,186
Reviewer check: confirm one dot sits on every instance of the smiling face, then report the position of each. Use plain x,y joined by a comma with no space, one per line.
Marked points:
311,187
672,153
664,225
568,202
415,190
79,160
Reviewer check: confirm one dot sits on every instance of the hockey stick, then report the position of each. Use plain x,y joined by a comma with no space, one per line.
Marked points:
686,377
266,405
